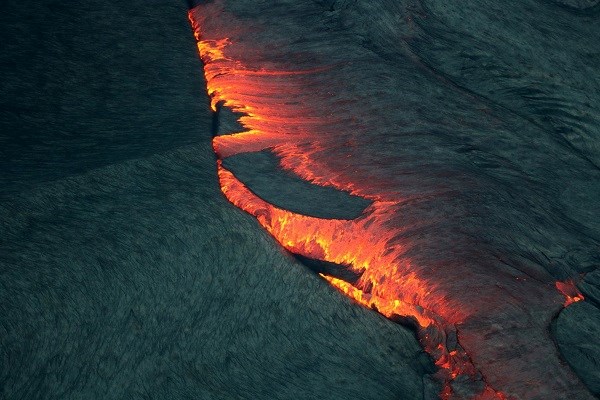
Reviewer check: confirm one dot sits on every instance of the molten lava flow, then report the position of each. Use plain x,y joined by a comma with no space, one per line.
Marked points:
392,289
390,285
570,291
277,113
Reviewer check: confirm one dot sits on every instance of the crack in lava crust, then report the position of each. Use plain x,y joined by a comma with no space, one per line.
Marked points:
392,289
390,282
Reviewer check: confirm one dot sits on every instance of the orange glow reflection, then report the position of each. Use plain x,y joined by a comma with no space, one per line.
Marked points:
570,291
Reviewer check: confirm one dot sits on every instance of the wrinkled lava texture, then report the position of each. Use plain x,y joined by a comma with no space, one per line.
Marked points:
415,190
481,172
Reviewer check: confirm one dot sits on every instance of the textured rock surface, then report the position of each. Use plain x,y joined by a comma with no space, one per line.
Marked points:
577,330
124,273
579,4
139,280
590,286
93,83
260,171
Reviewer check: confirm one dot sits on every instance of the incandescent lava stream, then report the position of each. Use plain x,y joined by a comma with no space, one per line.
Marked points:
432,245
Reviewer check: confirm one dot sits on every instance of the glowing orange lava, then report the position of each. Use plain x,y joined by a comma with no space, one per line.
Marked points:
390,283
391,287
570,291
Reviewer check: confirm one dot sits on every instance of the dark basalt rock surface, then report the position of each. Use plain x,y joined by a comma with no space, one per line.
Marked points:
225,121
124,273
579,4
93,83
577,332
139,279
261,173
590,287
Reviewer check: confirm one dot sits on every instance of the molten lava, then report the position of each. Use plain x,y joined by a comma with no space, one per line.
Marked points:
277,114
390,288
570,291
393,288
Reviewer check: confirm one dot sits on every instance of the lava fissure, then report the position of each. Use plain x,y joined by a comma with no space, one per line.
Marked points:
322,267
432,332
